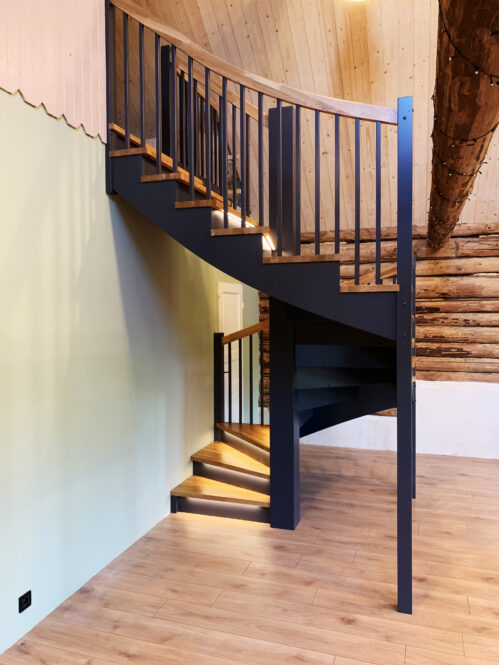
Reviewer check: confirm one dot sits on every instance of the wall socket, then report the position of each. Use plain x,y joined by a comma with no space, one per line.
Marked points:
24,601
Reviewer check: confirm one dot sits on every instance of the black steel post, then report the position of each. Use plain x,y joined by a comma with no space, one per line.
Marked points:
218,383
404,355
284,426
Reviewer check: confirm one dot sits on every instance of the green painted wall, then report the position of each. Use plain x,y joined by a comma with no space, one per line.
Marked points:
105,365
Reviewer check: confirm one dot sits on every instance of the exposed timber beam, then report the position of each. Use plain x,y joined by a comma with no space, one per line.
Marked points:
466,106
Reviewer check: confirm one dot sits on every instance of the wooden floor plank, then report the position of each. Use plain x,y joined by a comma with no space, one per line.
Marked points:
210,591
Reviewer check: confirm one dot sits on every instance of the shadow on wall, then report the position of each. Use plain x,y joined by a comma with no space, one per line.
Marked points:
170,308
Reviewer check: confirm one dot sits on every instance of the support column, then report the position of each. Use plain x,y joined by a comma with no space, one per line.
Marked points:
218,384
404,358
284,426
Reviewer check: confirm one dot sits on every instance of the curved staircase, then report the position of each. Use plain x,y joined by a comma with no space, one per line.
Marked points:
222,175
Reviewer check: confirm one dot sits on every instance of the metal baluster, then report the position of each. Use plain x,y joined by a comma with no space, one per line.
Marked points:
196,128
230,382
378,202
298,183
207,120
223,115
242,158
248,191
190,129
141,84
181,100
158,103
357,200
234,179
173,114
240,386
251,379
202,138
260,158
317,183
336,184
279,178
125,79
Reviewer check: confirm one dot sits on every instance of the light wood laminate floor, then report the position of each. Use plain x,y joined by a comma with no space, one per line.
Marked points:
210,591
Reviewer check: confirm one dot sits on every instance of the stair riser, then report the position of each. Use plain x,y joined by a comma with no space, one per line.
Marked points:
232,477
220,509
309,355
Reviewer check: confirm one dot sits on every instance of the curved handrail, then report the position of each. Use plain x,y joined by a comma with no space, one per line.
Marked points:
254,82
245,332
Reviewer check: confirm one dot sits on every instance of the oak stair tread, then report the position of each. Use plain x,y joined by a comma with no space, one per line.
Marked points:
216,204
198,487
302,258
258,435
369,288
223,455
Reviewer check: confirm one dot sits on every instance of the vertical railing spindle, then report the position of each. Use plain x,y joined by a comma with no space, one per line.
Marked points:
251,379
298,182
317,183
207,117
279,178
125,79
248,191
336,184
242,158
173,110
357,200
229,398
141,84
223,118
260,158
196,126
378,202
240,379
158,102
261,391
190,128
234,152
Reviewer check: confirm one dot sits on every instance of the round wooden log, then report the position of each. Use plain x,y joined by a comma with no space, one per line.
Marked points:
466,106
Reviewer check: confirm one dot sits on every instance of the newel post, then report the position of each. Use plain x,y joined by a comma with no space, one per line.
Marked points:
404,355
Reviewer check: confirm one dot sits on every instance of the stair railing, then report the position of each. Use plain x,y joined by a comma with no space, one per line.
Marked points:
239,377
244,143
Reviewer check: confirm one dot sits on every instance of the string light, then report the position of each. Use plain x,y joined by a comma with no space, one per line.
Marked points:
453,171
493,78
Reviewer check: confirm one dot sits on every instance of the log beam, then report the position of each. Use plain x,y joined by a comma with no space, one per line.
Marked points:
466,103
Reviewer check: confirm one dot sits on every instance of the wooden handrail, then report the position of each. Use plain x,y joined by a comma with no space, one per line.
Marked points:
252,81
245,332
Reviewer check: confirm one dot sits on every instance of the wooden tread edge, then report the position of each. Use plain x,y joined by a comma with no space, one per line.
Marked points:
305,258
369,288
258,435
222,455
198,487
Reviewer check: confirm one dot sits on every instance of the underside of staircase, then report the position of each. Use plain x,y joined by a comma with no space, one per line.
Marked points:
338,350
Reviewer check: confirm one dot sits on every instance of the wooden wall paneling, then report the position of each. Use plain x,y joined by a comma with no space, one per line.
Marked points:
54,54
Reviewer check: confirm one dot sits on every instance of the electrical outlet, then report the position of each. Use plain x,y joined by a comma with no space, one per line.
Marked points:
24,601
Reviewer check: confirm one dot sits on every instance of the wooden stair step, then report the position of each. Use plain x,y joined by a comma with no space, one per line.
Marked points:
198,487
225,456
369,288
258,435
215,204
303,258
242,230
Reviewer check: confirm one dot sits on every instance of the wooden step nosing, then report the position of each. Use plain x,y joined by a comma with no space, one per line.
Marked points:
198,457
226,427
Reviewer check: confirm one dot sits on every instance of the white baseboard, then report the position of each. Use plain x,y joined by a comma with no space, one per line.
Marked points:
452,418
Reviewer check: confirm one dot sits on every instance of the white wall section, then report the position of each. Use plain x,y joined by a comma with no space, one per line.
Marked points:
106,365
453,418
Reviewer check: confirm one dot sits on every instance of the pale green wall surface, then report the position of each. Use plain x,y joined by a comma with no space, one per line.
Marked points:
105,365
